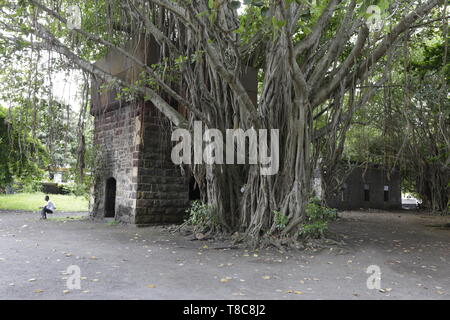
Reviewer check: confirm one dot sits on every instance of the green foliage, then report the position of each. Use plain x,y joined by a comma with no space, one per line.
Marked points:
21,155
317,218
365,143
405,124
77,189
280,219
200,214
5,171
31,186
38,134
113,223
428,57
314,229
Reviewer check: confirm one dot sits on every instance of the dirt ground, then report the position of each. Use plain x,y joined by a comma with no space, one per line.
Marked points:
125,262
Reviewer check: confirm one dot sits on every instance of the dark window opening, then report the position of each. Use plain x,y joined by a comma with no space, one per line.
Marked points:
194,190
386,193
366,192
110,198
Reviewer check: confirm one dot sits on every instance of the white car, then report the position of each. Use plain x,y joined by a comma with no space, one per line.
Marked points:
408,201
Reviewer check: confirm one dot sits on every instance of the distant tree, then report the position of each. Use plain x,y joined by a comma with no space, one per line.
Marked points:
5,171
21,155
407,123
422,125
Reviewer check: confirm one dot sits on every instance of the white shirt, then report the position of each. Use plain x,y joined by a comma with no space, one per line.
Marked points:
50,206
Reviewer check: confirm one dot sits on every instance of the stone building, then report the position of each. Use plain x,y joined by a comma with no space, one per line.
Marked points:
136,180
369,187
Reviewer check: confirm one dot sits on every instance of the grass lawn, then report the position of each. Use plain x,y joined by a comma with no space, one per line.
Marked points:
32,201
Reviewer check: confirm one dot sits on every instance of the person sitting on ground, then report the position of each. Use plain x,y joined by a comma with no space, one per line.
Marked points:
48,208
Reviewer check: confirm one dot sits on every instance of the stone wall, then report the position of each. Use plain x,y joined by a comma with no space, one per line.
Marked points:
365,188
162,190
114,139
134,146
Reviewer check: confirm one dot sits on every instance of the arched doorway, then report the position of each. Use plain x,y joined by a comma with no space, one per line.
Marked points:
110,198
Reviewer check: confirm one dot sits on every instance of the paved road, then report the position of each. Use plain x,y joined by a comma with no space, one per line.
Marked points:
124,262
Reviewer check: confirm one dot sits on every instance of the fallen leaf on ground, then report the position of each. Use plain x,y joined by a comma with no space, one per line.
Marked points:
200,236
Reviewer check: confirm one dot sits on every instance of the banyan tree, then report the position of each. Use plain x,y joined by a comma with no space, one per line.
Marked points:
316,62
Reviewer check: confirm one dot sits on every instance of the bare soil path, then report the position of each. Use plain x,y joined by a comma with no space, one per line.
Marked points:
125,262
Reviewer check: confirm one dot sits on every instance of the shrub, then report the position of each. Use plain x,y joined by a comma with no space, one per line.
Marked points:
280,220
76,189
200,214
317,218
31,187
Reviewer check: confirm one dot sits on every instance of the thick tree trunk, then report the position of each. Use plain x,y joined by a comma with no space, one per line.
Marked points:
223,194
433,188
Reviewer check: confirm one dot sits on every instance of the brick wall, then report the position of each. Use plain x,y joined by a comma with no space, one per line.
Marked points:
162,191
134,145
114,138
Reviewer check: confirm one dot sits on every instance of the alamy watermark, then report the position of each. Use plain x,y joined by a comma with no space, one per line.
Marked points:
74,279
374,280
209,147
374,22
74,17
